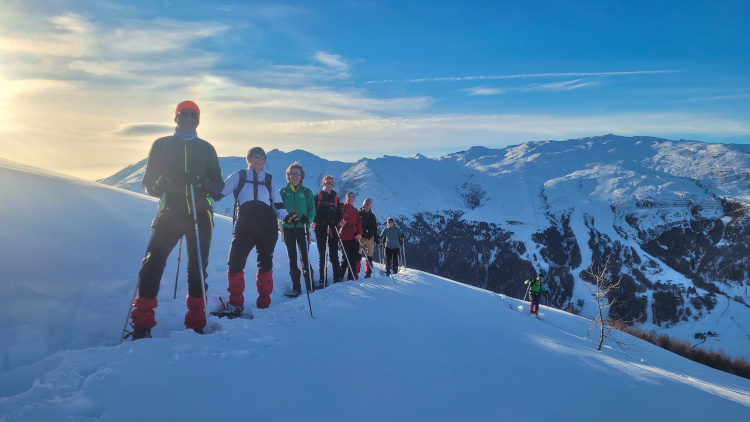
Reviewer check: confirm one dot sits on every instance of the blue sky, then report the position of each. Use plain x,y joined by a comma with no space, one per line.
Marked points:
86,86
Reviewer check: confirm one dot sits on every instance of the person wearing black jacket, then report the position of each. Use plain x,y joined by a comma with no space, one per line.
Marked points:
174,164
328,215
370,236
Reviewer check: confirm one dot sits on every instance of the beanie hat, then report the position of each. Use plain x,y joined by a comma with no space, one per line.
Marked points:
327,178
187,104
256,151
367,201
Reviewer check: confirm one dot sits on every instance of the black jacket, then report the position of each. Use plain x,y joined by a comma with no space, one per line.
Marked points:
328,208
169,160
369,225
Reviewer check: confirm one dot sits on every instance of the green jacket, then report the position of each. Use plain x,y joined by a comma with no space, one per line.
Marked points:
536,287
300,199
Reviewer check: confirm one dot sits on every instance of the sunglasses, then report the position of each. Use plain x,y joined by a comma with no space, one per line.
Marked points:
295,173
189,113
258,156
390,221
329,183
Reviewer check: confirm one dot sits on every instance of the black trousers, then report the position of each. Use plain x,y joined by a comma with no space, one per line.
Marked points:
325,236
169,229
243,242
391,258
535,300
351,249
295,238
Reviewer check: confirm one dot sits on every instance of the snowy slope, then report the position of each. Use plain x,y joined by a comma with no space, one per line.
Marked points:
417,348
615,194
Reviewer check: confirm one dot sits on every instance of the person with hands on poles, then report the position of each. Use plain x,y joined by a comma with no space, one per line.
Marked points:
351,233
258,205
183,171
299,199
370,236
391,238
328,215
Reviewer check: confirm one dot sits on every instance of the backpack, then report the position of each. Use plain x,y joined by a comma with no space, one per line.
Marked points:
241,184
320,200
335,206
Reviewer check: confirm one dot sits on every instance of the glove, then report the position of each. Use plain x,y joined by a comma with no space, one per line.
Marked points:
166,184
291,219
193,178
304,220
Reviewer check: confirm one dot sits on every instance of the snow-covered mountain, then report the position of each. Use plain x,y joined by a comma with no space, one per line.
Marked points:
419,347
672,218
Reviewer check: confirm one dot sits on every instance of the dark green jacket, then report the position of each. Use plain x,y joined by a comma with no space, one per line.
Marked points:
169,159
300,199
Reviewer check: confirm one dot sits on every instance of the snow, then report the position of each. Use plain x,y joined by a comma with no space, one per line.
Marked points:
603,181
419,347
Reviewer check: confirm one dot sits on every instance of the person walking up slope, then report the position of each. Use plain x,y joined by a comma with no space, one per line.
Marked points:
299,199
351,233
370,236
176,164
392,238
328,214
257,206
536,289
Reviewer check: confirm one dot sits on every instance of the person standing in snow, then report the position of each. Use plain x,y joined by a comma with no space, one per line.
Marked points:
328,214
351,232
392,239
370,236
174,164
298,199
258,207
536,289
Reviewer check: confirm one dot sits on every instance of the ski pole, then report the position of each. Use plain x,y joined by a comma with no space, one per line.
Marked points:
403,254
366,250
179,258
138,282
346,257
309,271
200,256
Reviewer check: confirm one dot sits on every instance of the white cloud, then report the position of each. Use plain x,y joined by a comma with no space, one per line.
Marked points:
485,91
529,76
558,86
71,37
551,86
333,61
140,37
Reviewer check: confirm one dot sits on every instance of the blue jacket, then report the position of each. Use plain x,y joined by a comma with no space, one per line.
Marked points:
391,237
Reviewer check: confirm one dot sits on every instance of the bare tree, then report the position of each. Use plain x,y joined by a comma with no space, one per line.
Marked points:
601,286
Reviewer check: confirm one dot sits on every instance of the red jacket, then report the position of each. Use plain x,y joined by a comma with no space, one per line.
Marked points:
353,225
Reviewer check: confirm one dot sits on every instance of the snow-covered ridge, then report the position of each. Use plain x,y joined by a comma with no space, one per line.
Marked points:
671,214
416,348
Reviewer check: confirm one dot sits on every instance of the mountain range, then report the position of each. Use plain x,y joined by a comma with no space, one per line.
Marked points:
670,219
414,347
